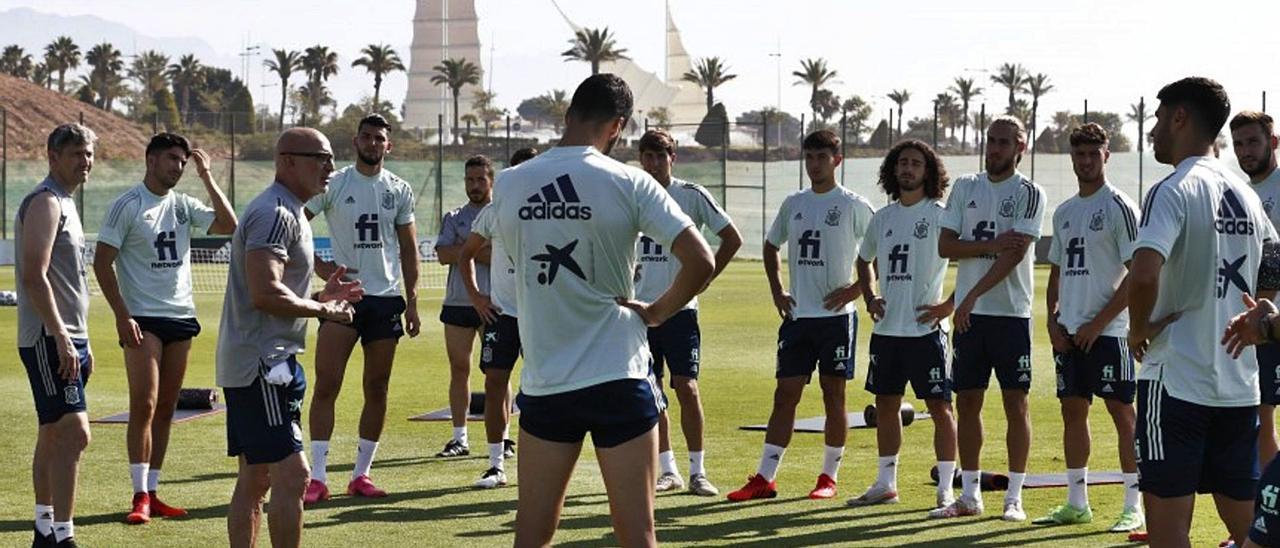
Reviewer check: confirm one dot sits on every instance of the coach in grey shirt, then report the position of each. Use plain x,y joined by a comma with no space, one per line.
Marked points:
263,328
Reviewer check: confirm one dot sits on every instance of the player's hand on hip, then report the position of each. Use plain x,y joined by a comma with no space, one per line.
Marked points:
1058,337
129,332
933,314
875,308
962,316
1087,335
338,288
784,303
68,358
412,322
1248,328
485,308
646,311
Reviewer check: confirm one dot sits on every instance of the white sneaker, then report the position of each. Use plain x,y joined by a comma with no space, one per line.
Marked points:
876,494
963,506
1013,511
943,500
669,482
493,478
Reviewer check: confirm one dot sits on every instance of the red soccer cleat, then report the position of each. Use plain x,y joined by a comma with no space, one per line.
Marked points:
362,486
141,510
317,491
1138,536
825,489
756,488
164,510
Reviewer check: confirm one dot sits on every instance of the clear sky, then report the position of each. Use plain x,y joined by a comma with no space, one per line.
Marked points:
1108,51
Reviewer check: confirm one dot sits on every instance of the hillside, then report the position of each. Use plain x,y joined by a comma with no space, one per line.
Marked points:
34,111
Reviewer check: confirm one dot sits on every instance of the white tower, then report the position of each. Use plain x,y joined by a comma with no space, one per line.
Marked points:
442,29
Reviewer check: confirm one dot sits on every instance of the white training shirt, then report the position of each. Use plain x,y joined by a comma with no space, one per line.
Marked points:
1209,227
822,233
903,241
570,218
980,210
1093,238
362,214
657,267
502,269
1269,192
153,236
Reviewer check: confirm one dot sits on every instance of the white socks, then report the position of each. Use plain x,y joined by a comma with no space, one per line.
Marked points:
63,530
970,484
695,463
831,457
667,462
460,434
320,459
1016,479
887,475
365,450
946,476
770,460
44,519
153,480
1132,497
138,474
1078,487
496,455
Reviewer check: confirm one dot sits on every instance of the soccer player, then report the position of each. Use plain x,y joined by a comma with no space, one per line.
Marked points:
370,215
907,343
1198,252
991,220
53,335
1254,142
1093,238
822,228
147,236
500,345
677,343
263,328
569,219
461,322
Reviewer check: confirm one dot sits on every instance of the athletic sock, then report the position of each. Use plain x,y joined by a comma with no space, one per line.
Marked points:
888,472
971,481
1132,497
1015,486
365,449
319,459
831,457
946,476
1078,487
696,466
138,474
153,480
495,455
460,434
63,530
668,461
44,519
770,460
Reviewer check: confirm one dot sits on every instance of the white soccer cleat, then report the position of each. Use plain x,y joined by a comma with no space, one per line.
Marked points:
963,506
943,500
876,494
669,482
1013,511
493,478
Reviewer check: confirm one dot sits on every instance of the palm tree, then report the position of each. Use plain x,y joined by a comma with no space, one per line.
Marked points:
62,55
945,104
16,62
454,74
899,97
286,63
1138,113
815,74
107,62
594,46
379,60
320,64
709,73
856,112
1012,76
187,73
148,68
315,95
482,104
1021,110
557,105
1037,86
966,90
41,74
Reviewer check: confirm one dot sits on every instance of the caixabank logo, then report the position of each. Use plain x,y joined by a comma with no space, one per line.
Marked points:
558,201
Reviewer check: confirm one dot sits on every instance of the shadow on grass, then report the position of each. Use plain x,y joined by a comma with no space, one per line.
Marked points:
389,463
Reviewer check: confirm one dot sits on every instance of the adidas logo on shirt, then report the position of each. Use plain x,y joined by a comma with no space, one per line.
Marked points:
972,205
556,200
1232,218
350,200
1260,525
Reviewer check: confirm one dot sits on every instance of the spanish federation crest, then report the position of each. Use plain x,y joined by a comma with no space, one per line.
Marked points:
388,200
1006,207
833,216
922,229
1268,205
181,214
1095,223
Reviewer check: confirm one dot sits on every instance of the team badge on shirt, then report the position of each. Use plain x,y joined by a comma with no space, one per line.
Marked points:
922,229
388,200
1006,207
833,216
1095,223
181,214
1268,205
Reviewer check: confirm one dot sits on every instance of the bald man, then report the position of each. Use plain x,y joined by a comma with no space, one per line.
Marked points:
263,328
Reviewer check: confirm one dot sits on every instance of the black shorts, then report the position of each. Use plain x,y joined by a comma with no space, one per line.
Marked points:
1266,507
1106,371
169,330
997,343
922,361
461,316
55,397
1269,373
500,345
264,420
677,344
613,412
826,343
377,318
1186,448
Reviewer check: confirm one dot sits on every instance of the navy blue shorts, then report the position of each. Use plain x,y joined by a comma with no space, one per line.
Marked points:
614,412
264,420
55,397
500,345
1106,371
1269,373
826,343
922,361
169,330
1186,448
677,344
997,343
377,318
1266,507
461,316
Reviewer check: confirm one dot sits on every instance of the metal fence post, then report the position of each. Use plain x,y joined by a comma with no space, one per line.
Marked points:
844,140
80,189
764,172
4,173
1142,118
800,175
982,140
508,140
439,170
724,163
231,177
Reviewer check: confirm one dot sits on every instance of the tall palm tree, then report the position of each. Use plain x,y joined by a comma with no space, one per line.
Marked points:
286,63
709,73
41,74
455,74
945,103
379,60
187,73
62,55
1012,76
1037,86
815,74
966,89
107,62
557,105
148,68
16,62
899,97
315,96
320,64
593,46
